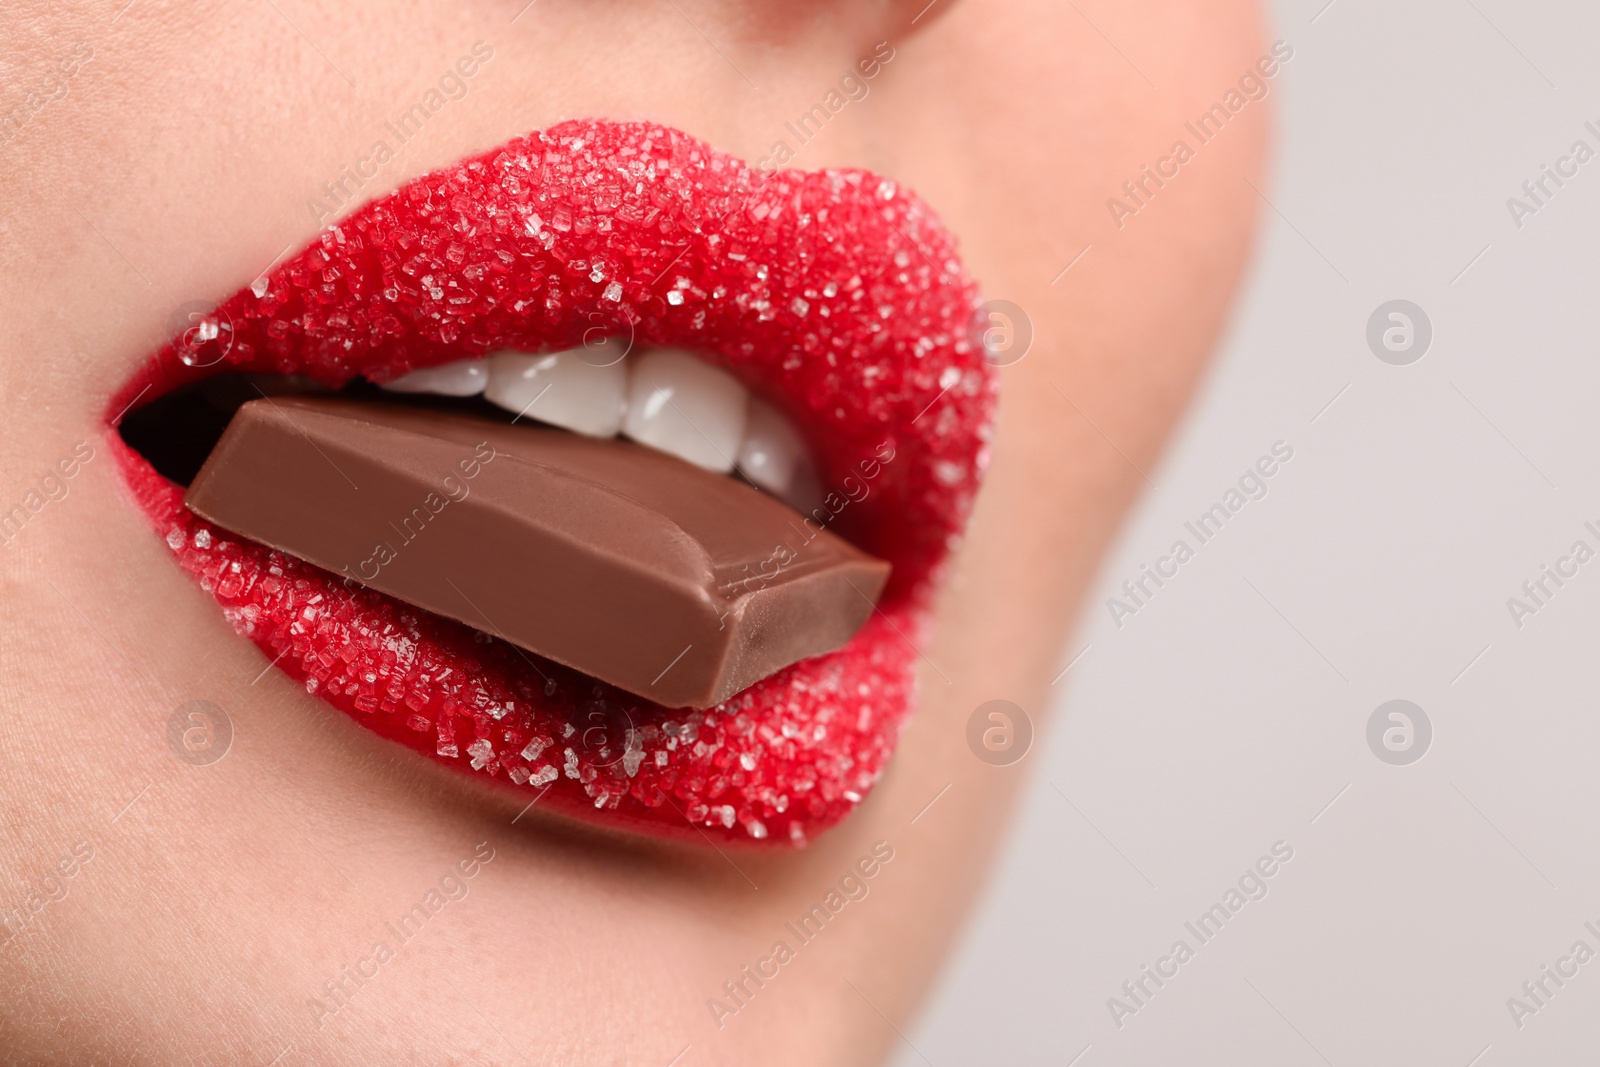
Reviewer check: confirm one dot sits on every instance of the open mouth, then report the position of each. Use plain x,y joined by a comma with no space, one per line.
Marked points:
807,336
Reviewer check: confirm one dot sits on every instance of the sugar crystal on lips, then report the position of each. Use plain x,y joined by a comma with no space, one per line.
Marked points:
455,266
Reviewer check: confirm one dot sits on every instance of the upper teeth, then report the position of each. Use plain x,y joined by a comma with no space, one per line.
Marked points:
465,378
664,398
771,453
561,388
681,405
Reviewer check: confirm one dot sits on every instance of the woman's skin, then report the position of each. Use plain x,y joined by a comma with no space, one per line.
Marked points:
219,899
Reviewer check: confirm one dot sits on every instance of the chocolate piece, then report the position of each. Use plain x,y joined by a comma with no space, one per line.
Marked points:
628,564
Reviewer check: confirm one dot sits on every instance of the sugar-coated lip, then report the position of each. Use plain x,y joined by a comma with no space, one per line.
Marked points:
836,295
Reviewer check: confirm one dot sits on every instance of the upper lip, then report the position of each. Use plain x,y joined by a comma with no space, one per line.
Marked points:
835,295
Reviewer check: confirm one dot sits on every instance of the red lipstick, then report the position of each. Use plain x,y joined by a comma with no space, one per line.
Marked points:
835,296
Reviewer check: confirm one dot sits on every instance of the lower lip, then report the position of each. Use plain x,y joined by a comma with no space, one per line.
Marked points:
788,757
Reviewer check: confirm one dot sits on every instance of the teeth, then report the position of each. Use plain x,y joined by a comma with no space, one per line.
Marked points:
686,407
664,398
465,377
581,389
772,451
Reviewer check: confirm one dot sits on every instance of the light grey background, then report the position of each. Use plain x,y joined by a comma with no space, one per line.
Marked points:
1231,711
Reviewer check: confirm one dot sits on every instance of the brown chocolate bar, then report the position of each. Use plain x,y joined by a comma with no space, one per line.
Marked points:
631,565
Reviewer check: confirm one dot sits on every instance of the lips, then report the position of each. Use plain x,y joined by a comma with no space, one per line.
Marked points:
834,296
